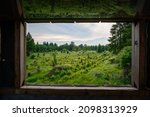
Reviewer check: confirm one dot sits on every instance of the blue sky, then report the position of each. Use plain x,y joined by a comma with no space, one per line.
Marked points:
61,33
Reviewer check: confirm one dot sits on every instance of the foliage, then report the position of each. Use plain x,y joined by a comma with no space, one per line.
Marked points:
125,57
121,36
125,62
102,48
54,59
32,56
75,68
50,47
78,8
30,44
120,45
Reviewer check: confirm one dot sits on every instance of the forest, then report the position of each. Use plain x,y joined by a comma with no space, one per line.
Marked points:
71,64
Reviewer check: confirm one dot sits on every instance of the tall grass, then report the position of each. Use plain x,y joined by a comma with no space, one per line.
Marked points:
75,68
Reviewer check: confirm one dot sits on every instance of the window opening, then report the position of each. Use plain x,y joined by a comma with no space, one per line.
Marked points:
76,54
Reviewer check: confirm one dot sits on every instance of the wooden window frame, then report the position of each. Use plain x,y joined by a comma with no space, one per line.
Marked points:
138,57
138,63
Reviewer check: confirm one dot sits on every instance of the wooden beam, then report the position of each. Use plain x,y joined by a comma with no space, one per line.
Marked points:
142,55
135,54
20,7
18,13
140,7
78,90
19,54
72,20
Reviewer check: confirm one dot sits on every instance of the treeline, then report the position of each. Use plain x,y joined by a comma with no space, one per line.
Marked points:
120,38
48,47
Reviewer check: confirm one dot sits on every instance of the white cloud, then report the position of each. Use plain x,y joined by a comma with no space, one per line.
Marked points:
99,29
77,32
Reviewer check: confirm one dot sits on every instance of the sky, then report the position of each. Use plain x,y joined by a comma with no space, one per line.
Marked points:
61,33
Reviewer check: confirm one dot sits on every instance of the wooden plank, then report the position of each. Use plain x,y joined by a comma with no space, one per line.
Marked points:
148,53
142,55
135,54
19,7
140,7
139,55
19,54
72,20
7,40
22,54
17,10
77,90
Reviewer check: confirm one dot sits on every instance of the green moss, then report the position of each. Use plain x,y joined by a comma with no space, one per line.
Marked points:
78,8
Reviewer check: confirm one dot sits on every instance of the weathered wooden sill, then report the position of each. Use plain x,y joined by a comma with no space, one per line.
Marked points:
68,90
75,87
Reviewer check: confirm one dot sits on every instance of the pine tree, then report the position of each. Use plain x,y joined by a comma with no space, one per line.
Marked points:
121,36
99,49
30,44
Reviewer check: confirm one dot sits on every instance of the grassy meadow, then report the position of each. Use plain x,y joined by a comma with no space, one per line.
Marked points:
75,68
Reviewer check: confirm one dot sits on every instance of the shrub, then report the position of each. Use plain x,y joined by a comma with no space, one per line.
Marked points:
113,60
125,61
62,73
88,65
32,56
106,53
54,59
32,80
29,74
125,57
38,69
27,66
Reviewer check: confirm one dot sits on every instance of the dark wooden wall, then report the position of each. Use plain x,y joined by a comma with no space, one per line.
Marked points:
148,52
7,50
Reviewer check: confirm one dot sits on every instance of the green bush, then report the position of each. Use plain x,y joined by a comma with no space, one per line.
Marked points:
32,56
125,57
29,74
54,59
113,59
38,69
